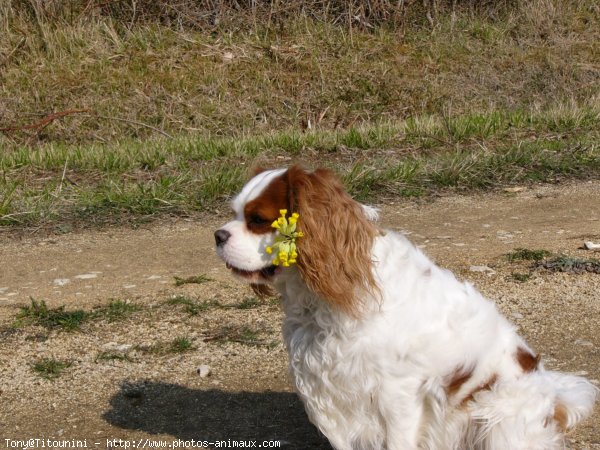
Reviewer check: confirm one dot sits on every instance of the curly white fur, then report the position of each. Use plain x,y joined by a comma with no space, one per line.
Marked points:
381,380
378,382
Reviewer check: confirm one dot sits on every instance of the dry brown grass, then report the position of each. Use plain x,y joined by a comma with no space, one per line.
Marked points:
210,14
139,71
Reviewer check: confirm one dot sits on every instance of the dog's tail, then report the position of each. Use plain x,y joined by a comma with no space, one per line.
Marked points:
532,412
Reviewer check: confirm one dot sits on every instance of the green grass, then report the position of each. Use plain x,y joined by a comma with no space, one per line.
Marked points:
195,279
191,306
50,368
180,344
411,158
520,277
115,310
525,254
194,307
244,335
112,356
249,303
38,313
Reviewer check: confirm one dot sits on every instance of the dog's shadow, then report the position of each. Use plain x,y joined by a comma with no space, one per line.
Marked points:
214,415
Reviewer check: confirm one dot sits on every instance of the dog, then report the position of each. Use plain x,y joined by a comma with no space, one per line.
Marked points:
386,349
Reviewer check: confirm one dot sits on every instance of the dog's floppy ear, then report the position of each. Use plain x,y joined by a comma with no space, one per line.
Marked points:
334,256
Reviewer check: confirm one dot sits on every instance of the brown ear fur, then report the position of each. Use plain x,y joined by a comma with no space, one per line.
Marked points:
334,257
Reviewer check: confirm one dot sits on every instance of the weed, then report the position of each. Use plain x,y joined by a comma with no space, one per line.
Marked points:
524,254
38,337
115,310
520,277
249,336
249,303
570,265
180,345
195,279
112,356
192,307
50,368
240,334
37,313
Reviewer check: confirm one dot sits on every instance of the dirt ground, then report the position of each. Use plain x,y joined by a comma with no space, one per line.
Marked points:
146,396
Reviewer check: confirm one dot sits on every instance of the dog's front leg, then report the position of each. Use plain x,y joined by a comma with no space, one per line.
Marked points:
401,408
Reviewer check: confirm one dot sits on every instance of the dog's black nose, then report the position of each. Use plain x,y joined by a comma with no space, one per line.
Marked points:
221,237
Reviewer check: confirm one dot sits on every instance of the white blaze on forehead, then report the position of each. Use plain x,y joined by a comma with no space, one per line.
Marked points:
254,188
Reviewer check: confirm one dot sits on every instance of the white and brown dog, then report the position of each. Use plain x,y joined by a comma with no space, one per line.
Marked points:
387,350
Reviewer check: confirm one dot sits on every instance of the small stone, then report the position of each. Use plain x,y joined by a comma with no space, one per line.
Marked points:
87,276
204,371
486,269
591,246
517,315
123,348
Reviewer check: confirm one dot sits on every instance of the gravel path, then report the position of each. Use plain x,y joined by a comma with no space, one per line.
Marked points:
127,378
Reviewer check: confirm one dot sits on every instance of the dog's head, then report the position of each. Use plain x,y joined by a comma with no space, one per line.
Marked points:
334,256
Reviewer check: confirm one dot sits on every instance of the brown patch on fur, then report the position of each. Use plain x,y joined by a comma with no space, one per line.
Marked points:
334,257
527,360
482,387
459,377
261,290
561,417
261,212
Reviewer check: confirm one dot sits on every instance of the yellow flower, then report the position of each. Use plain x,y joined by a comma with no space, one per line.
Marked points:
285,242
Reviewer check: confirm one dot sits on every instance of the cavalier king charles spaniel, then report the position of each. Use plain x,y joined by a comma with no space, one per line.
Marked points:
386,349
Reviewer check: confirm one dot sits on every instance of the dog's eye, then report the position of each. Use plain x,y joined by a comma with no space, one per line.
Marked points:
257,220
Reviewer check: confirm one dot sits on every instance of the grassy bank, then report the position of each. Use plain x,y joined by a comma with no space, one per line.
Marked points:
59,183
130,79
112,115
